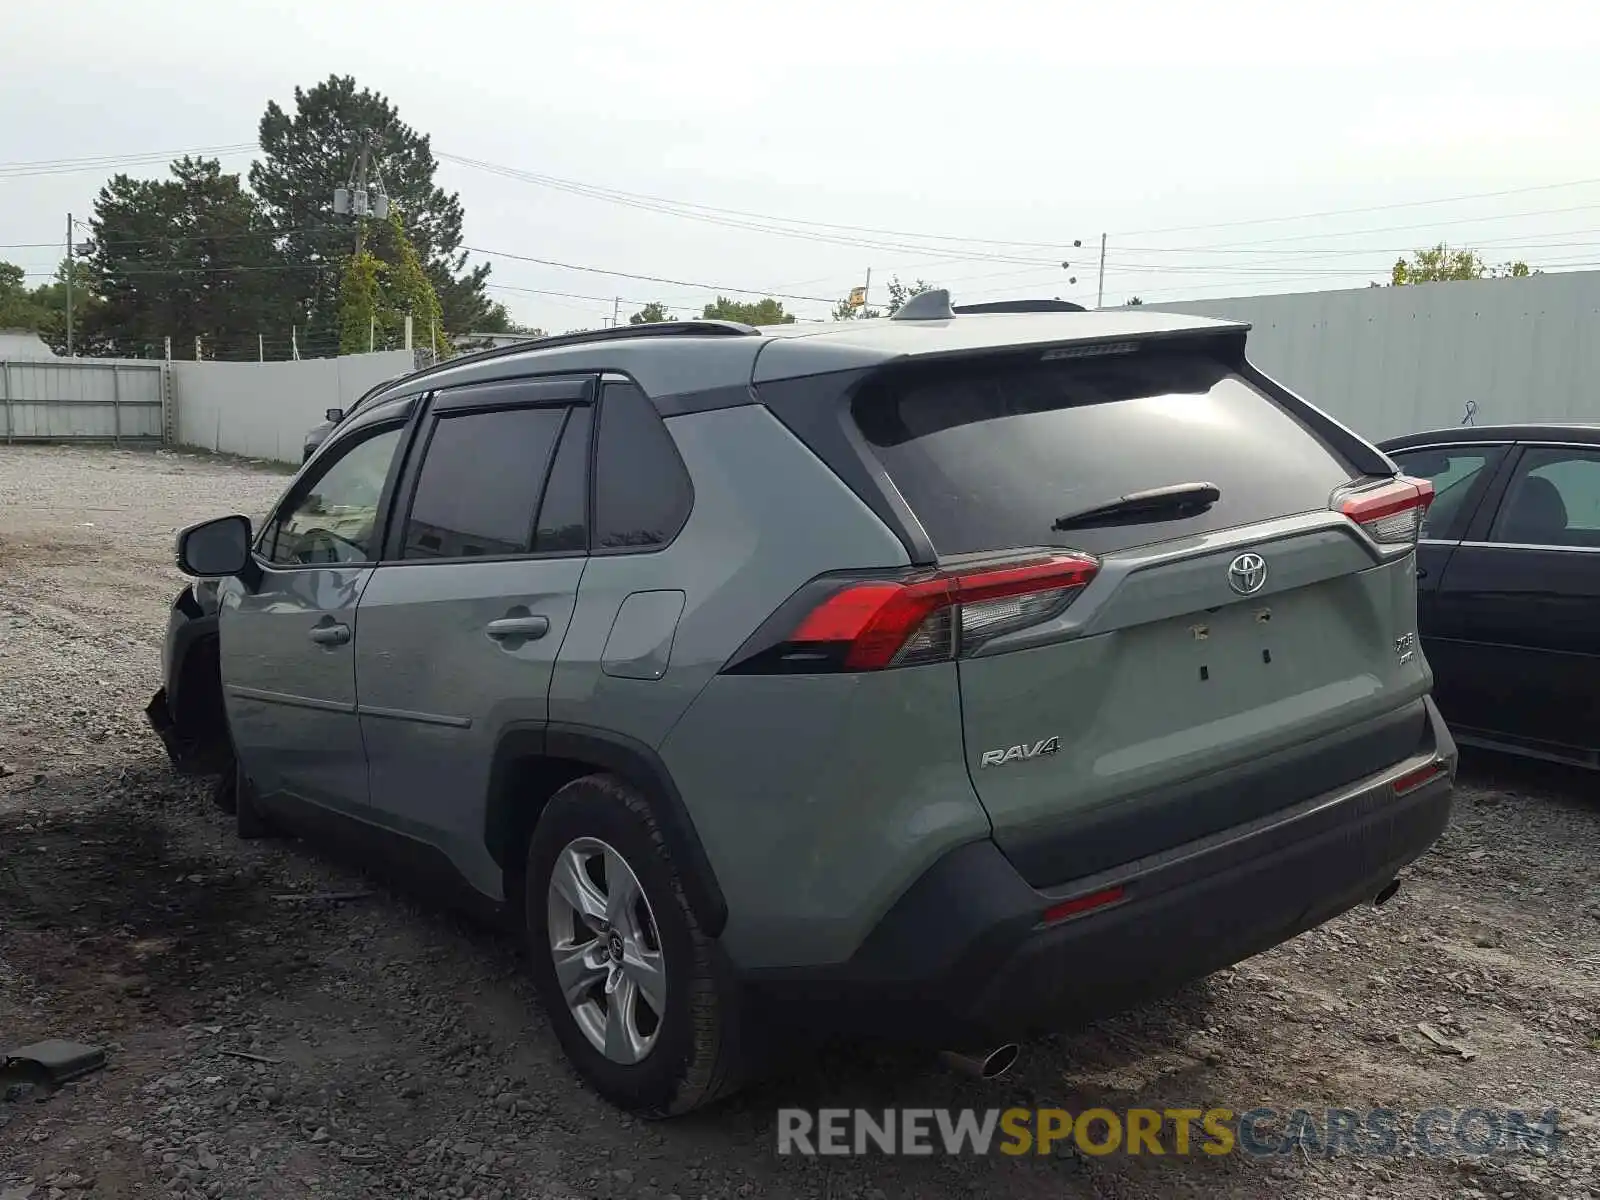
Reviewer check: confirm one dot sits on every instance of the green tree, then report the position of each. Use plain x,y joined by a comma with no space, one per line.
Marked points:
186,257
650,314
88,325
498,319
899,292
361,305
377,294
1133,302
1439,264
842,311
766,311
18,307
309,153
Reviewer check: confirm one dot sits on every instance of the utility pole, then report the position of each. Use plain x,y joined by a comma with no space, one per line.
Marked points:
197,348
361,189
294,343
261,349
866,292
616,306
167,346
69,285
1100,292
408,331
372,332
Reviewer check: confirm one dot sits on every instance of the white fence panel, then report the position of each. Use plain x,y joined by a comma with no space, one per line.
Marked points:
263,410
82,399
1389,360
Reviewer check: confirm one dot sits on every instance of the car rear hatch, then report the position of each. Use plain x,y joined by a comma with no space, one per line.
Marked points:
1226,632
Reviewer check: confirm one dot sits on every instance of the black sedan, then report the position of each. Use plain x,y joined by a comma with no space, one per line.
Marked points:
1508,583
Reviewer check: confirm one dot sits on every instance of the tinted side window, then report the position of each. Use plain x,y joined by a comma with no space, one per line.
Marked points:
1552,500
1458,475
480,483
564,513
332,514
642,491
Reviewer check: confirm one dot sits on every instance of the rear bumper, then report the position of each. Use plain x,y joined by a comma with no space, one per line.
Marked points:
963,955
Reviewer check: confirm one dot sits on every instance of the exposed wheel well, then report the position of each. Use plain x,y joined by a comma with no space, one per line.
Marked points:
522,790
198,711
534,763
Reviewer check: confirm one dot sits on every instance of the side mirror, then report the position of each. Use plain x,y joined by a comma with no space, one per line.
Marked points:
215,549
334,415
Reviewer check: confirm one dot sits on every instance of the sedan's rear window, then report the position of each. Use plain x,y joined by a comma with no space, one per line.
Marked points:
989,454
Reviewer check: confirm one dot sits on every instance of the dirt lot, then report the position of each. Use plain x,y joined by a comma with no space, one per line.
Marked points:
398,1051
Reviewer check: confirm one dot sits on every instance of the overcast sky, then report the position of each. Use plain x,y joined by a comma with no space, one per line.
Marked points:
1183,130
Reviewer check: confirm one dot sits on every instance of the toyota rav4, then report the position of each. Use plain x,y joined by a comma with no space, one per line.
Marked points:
942,676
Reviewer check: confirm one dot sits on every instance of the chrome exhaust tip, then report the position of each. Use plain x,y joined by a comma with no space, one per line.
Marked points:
983,1064
1386,893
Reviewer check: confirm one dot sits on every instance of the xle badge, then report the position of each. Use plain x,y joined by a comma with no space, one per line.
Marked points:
998,758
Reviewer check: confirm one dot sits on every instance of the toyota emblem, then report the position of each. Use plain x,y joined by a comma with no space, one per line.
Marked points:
1247,574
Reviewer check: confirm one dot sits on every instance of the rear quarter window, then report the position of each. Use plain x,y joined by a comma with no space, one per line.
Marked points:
989,454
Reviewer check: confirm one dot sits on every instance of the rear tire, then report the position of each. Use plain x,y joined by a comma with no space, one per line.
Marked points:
602,833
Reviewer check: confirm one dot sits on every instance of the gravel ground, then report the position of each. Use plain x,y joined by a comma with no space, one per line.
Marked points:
384,1047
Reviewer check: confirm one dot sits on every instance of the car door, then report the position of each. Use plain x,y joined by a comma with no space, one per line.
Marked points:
1519,601
461,623
288,629
1462,474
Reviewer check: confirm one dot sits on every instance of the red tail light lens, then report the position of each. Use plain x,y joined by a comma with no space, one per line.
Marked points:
1079,905
1392,513
893,623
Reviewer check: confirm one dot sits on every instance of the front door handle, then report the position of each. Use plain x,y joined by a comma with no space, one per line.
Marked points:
1422,572
331,635
518,627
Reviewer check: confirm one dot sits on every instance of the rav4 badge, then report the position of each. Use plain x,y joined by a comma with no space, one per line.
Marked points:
998,758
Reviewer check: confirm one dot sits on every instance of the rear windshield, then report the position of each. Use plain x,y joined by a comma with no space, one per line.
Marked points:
990,454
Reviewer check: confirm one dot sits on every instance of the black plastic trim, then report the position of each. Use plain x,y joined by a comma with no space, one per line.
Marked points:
528,391
1018,306
681,404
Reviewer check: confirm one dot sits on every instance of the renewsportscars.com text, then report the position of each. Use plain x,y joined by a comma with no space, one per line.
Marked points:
1258,1132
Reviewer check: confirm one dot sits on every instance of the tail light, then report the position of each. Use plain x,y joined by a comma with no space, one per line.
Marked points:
870,625
1391,513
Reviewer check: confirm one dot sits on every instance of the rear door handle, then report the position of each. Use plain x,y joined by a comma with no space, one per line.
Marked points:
331,635
518,627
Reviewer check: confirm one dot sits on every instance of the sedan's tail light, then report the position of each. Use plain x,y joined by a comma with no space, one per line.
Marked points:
1391,513
870,625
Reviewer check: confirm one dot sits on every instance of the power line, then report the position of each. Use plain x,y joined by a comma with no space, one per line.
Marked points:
710,287
1343,212
695,211
68,166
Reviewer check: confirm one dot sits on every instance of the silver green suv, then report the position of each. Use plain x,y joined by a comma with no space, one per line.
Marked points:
943,676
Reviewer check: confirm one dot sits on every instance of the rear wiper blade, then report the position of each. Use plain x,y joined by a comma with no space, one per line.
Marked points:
1172,503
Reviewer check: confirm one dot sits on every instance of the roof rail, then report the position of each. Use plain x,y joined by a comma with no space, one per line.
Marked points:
1020,306
616,333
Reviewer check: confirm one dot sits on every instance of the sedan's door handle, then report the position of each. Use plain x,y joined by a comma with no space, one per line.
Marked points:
1422,572
518,627
330,635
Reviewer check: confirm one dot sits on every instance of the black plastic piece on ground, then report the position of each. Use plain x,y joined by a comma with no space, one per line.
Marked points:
52,1061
